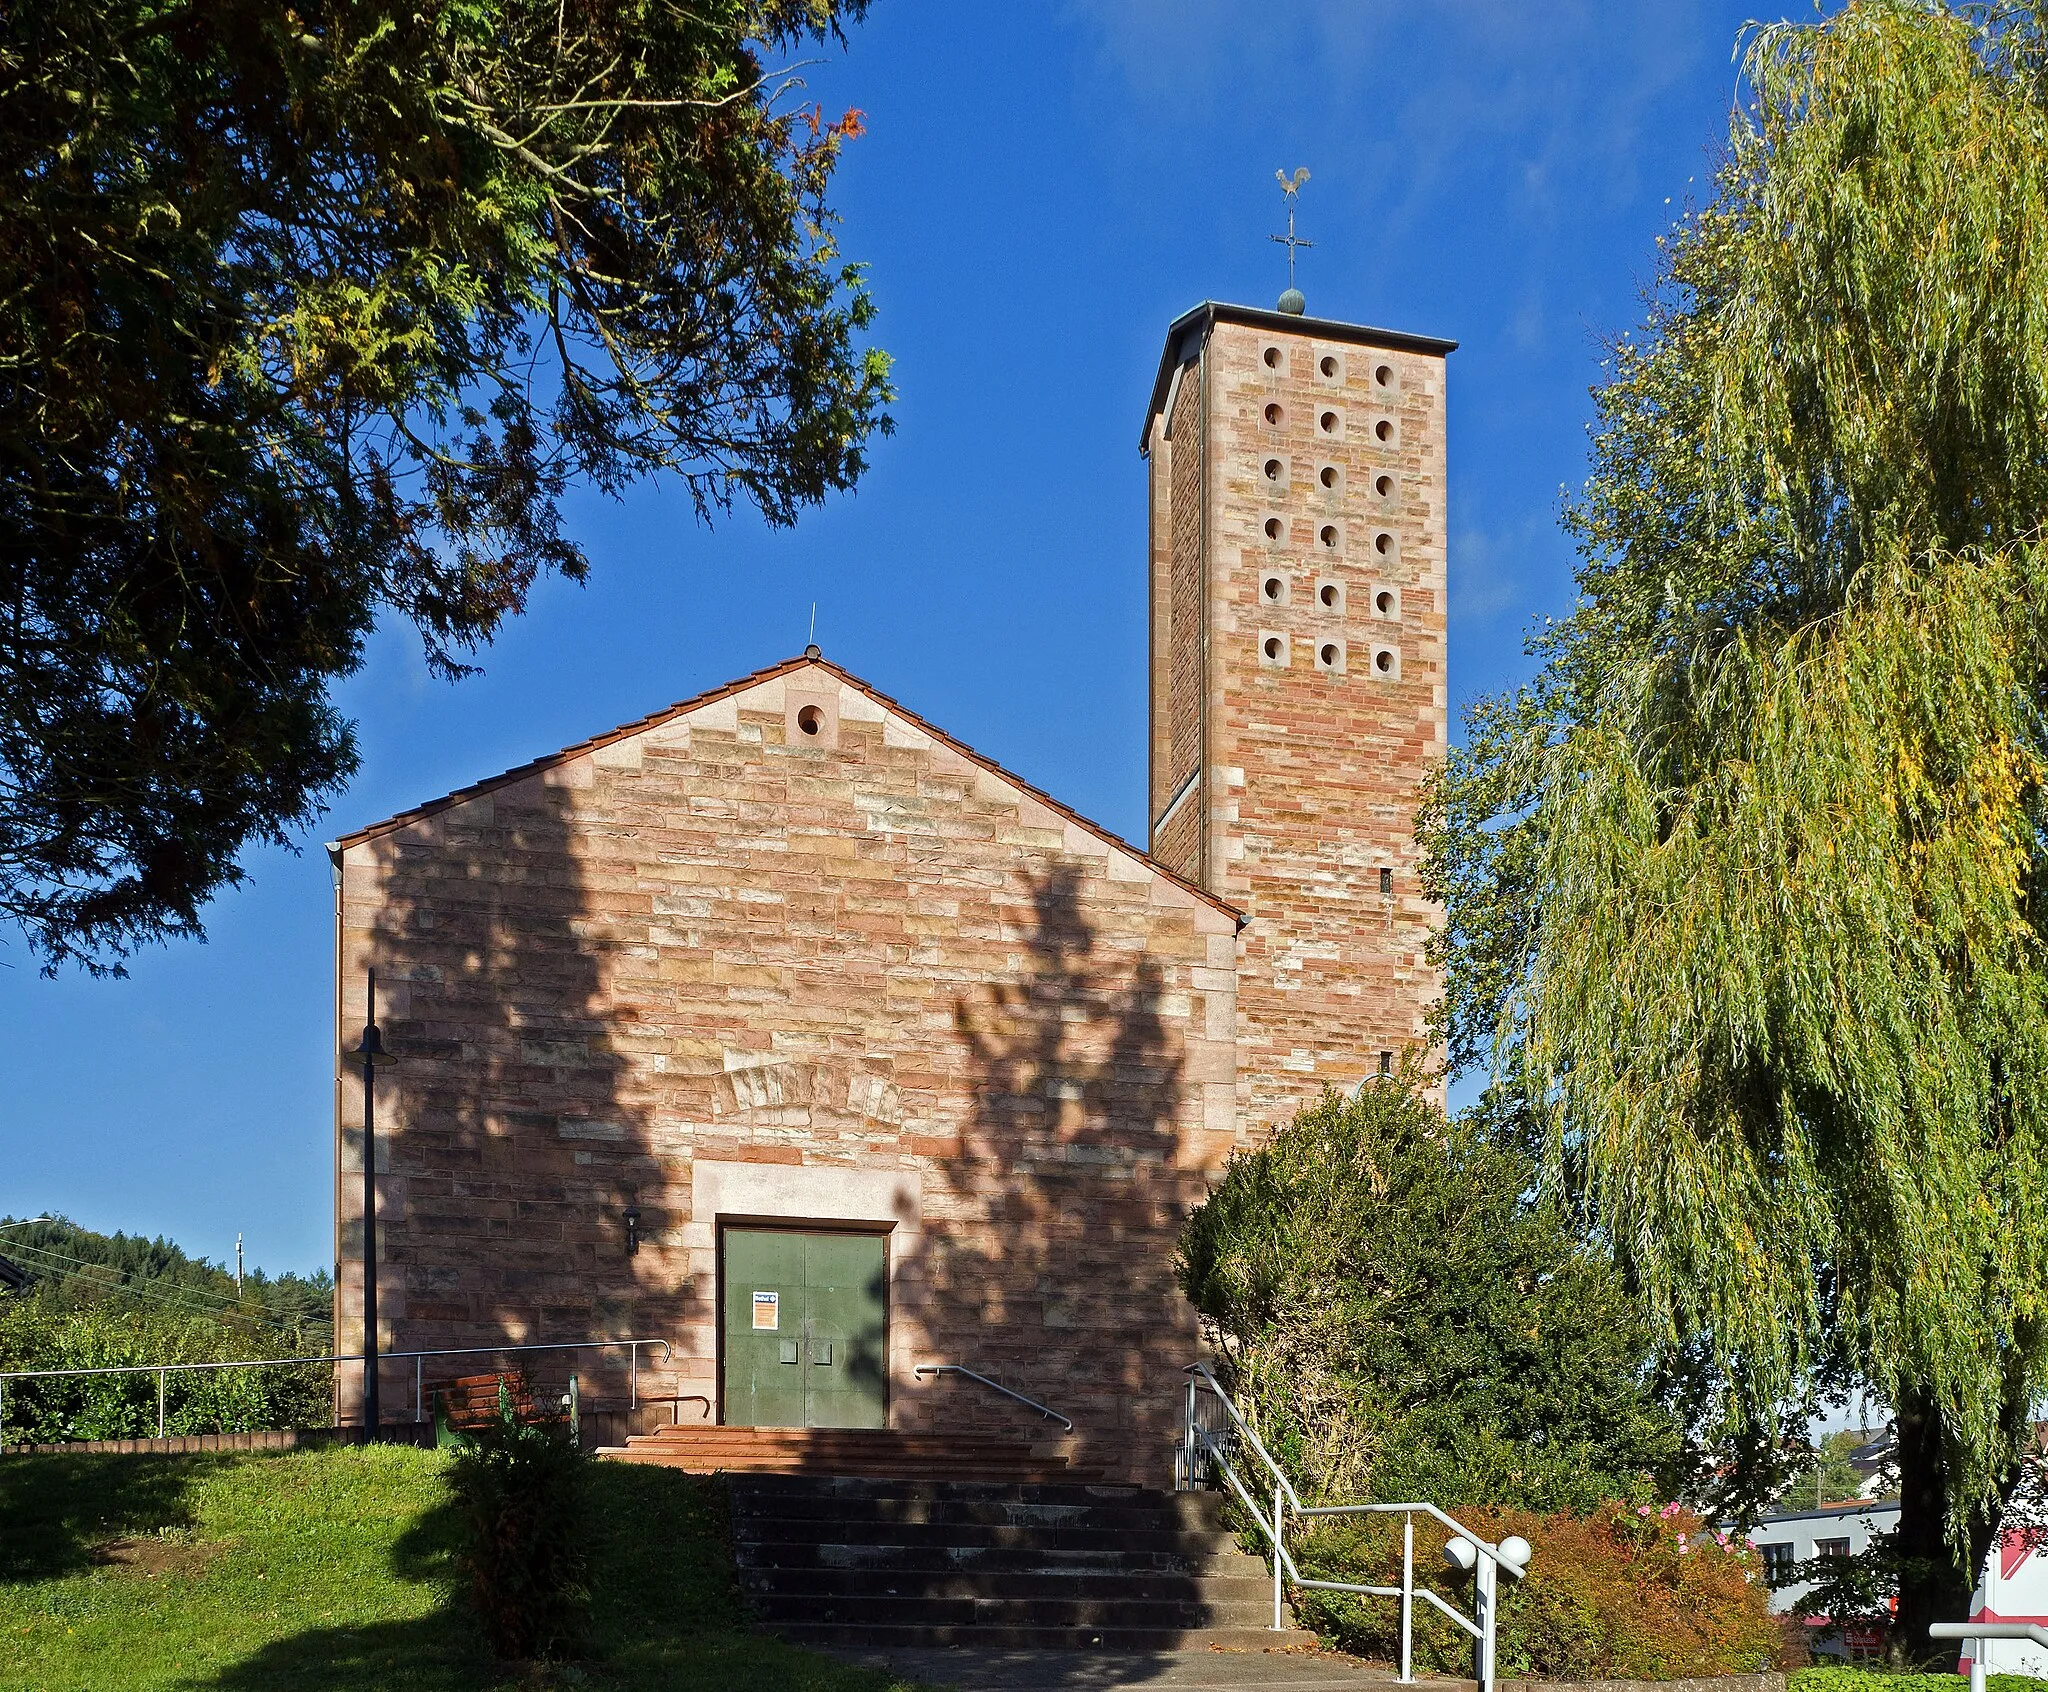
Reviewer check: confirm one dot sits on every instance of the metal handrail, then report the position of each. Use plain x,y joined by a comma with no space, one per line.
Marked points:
1487,1558
163,1371
1981,1631
995,1386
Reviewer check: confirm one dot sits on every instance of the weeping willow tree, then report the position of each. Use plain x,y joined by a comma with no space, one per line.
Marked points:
1744,890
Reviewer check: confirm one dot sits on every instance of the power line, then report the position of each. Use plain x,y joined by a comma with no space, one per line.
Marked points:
80,1267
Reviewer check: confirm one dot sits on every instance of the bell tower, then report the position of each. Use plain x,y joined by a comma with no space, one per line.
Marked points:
1298,689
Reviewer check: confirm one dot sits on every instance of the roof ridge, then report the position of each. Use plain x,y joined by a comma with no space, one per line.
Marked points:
654,719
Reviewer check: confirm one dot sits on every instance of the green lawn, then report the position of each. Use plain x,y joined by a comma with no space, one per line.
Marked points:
333,1569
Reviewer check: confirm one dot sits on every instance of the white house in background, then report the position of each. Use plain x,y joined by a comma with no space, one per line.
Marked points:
2013,1586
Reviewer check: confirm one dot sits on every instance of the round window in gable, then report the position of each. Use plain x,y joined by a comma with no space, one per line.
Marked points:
810,719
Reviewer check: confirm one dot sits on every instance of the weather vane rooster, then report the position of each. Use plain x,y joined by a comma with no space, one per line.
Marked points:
1292,301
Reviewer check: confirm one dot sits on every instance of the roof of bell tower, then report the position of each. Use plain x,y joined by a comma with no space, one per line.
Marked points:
1187,329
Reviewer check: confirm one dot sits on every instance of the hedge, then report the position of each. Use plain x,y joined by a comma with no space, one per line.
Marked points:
44,1333
1825,1678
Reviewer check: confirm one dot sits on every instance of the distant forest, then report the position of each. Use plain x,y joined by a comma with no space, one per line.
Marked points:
71,1266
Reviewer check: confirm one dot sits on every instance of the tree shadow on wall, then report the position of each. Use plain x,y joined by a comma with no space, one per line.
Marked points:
1065,1290
516,1139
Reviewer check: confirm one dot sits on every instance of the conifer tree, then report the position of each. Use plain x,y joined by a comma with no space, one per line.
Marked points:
1744,889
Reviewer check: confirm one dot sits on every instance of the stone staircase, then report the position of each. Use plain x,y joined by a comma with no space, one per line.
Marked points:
872,1562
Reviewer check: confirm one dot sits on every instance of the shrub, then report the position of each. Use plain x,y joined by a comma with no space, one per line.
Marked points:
1847,1679
1400,1317
45,1331
1624,1592
521,1491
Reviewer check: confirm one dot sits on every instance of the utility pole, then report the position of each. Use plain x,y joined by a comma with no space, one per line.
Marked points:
238,1266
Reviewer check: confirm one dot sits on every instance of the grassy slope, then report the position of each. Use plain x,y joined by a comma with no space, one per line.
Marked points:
334,1570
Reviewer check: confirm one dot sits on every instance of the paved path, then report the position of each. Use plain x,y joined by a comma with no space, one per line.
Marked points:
976,1670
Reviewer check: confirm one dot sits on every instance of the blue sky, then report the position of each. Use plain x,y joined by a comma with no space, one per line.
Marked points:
1042,188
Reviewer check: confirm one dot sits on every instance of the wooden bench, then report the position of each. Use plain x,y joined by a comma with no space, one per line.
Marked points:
470,1402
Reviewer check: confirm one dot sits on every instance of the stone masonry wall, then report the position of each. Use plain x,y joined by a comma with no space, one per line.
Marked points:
1327,696
789,954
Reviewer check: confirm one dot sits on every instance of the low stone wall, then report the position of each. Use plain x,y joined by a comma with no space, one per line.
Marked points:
272,1439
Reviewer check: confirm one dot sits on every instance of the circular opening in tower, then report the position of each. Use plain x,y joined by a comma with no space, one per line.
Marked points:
1273,647
1330,655
1329,365
810,719
1329,594
1329,476
1383,542
1272,358
1384,486
1274,587
1329,536
1383,661
1384,430
1273,469
1328,421
1384,604
1384,375
1274,528
1274,414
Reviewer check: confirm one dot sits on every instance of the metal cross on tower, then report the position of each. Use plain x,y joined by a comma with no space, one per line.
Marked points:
1291,301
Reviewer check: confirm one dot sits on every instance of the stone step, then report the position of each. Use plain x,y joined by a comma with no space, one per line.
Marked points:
1158,1585
791,1491
751,1531
779,1463
955,1512
874,1636
875,1610
939,1559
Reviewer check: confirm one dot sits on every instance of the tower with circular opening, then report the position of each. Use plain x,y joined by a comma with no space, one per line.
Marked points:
1286,787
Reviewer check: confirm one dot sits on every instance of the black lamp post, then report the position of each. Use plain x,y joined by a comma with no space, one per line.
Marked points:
371,1051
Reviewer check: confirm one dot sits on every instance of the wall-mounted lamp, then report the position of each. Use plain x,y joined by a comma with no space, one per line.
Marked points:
631,1218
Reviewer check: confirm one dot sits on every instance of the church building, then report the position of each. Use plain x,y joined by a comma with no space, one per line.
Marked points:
786,1028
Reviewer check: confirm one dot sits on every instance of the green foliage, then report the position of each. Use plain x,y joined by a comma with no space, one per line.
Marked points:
1742,890
1626,1592
521,1490
1826,1678
313,315
1401,1320
44,1330
335,1570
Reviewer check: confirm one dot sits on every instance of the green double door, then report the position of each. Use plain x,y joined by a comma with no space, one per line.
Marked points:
806,1323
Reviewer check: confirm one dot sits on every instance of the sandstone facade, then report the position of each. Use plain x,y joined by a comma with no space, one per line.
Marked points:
787,954
1298,675
720,968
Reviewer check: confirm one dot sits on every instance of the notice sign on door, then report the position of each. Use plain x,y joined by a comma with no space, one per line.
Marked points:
767,1311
